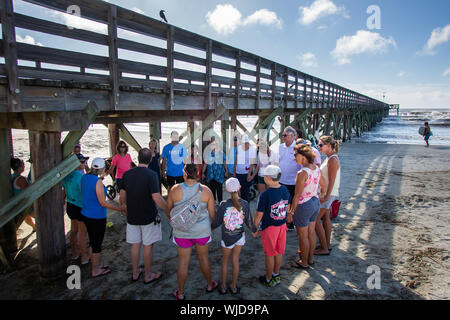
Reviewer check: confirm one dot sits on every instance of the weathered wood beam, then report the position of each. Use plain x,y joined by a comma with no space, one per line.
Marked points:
24,199
74,137
49,206
114,138
170,67
8,239
113,57
208,75
10,54
237,83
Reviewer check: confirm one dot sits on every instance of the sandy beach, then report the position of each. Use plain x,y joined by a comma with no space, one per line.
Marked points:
394,215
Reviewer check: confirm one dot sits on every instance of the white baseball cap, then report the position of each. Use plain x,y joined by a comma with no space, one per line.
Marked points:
98,163
272,171
232,185
245,138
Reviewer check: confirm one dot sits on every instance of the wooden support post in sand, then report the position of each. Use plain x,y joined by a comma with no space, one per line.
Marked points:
8,240
155,130
49,208
114,137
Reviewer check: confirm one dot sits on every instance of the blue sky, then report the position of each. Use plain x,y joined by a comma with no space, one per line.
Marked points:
408,57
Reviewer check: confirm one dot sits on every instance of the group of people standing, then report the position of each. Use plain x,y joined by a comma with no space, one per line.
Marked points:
296,190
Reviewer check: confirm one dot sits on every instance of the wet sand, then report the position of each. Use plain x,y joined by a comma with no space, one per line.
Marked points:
394,215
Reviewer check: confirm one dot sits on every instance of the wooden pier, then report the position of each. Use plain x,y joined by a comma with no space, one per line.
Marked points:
190,78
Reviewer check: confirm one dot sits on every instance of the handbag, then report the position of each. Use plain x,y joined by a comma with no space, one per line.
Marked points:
185,215
334,209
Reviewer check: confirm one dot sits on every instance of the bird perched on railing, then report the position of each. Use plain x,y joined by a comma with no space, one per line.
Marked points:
162,15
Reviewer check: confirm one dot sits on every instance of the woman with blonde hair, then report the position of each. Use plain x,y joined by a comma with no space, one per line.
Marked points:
331,173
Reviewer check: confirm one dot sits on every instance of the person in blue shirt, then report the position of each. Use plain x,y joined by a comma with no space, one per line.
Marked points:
93,213
174,156
216,170
74,203
271,212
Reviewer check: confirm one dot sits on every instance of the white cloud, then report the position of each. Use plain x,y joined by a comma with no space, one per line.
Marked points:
225,19
401,74
362,42
446,72
136,9
76,22
319,9
308,60
438,36
28,39
421,95
265,17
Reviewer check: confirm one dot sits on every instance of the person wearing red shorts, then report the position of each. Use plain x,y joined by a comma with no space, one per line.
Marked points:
271,213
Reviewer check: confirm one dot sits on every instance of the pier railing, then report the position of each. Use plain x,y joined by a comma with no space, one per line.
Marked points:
183,71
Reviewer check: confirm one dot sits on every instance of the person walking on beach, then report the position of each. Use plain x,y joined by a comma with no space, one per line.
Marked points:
174,156
199,234
93,213
266,157
288,165
305,204
139,196
214,170
245,165
427,133
331,173
155,164
231,215
271,212
20,183
74,203
121,161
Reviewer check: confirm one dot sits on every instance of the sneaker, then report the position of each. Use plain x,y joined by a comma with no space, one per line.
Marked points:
277,279
271,283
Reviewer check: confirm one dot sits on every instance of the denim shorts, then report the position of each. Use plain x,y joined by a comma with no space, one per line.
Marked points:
306,212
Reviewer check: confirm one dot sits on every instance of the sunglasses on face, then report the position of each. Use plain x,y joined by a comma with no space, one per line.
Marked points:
122,147
320,145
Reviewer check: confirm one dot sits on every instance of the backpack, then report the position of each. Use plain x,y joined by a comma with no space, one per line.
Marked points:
334,209
185,215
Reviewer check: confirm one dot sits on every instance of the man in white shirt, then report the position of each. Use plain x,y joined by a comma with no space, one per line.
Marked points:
288,164
245,164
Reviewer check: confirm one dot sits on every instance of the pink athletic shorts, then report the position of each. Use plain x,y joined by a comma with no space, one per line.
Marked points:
274,240
188,243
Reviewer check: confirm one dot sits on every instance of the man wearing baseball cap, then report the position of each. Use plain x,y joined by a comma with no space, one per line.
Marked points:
271,213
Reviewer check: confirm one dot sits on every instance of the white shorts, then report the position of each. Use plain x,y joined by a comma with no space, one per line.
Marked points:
147,234
240,242
327,205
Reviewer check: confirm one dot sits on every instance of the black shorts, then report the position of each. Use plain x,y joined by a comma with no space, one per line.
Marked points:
73,211
96,231
260,180
171,181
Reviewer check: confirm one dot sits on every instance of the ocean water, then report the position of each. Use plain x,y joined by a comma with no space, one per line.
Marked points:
403,129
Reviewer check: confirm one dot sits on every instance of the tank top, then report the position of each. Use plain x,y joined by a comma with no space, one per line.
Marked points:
16,188
337,180
202,227
91,207
311,185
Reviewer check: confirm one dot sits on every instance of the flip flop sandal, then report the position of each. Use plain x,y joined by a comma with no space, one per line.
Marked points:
297,265
139,275
235,290
215,284
177,296
157,276
322,254
223,290
105,272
